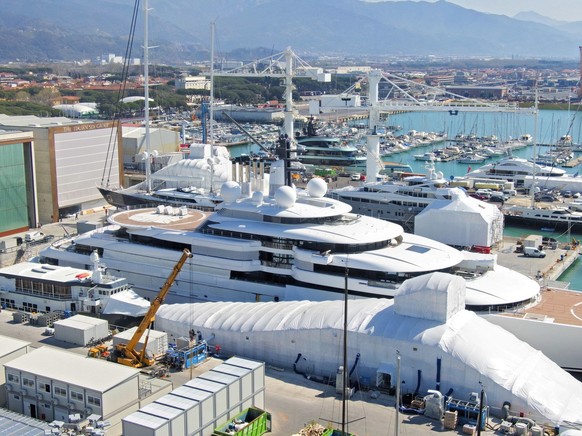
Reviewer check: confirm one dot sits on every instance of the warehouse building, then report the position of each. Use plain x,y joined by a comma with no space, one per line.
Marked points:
66,163
18,209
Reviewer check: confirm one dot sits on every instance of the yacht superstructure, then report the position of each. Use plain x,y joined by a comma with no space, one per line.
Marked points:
291,246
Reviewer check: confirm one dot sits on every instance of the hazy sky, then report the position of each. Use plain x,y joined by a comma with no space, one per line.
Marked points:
566,10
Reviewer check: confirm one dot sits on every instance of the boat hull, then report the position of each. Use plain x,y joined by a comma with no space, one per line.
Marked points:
120,199
543,224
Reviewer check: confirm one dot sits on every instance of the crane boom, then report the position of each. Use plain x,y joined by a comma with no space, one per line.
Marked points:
127,354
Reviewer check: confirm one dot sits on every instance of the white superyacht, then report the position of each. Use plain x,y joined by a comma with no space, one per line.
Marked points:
293,245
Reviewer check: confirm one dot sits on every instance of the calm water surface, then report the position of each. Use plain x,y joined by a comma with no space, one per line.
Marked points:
551,126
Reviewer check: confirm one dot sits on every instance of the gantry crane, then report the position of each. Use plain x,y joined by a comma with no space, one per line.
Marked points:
126,353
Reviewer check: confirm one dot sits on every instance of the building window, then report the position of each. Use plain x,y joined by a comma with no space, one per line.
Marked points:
13,378
77,396
94,401
60,391
45,387
27,382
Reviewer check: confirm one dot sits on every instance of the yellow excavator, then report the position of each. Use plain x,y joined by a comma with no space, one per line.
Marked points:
126,353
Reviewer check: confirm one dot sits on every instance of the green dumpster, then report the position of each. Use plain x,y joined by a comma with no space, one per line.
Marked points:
250,422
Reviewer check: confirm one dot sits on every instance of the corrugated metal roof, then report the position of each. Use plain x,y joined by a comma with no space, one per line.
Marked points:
12,423
72,368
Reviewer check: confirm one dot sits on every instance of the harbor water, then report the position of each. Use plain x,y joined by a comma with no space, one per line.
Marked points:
551,126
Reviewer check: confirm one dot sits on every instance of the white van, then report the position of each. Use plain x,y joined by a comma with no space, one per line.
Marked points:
533,252
34,236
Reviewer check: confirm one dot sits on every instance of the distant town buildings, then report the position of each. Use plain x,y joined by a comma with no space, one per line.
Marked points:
192,82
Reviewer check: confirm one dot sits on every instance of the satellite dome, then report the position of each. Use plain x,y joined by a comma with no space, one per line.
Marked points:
230,191
285,196
316,187
257,198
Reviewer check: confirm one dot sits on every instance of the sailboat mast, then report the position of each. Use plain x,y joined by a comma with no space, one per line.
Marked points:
147,99
535,147
345,374
211,103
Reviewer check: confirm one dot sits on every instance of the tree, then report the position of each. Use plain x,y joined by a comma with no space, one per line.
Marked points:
46,96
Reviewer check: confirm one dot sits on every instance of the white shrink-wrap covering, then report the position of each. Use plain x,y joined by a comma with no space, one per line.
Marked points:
468,349
436,297
126,303
465,221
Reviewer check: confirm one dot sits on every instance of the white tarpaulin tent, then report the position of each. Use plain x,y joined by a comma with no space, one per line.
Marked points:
126,303
426,322
206,169
463,222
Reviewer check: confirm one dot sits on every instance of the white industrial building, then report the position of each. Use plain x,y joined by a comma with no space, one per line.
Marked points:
245,114
51,384
162,141
203,403
338,103
10,348
80,329
192,82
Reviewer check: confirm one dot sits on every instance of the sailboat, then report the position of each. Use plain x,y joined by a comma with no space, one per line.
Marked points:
193,182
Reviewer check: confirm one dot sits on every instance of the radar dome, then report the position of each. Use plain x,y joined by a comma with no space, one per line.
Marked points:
230,191
257,198
316,187
285,196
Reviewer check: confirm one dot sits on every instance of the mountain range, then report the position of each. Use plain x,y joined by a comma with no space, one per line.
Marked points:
38,31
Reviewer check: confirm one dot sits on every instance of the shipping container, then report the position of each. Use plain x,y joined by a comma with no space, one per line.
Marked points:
174,416
142,424
190,409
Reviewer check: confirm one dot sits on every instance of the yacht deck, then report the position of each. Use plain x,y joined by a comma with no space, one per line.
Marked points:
556,305
143,218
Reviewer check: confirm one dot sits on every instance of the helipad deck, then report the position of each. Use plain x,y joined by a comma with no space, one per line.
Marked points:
188,219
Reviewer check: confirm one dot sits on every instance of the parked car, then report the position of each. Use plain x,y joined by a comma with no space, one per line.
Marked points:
545,197
478,196
496,199
356,177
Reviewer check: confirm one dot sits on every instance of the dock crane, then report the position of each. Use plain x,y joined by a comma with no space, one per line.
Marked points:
126,353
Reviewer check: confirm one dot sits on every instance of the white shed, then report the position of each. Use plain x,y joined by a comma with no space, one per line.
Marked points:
79,329
174,416
465,221
190,409
142,424
157,341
